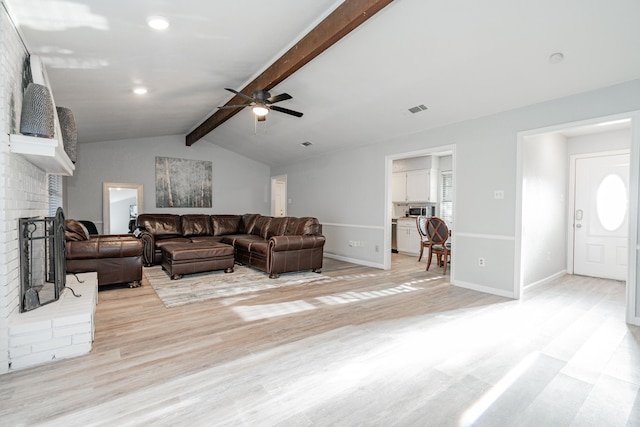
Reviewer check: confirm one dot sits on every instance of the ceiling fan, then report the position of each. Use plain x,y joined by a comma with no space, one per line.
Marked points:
261,102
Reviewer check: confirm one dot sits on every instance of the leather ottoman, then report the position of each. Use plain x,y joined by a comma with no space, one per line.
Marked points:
188,258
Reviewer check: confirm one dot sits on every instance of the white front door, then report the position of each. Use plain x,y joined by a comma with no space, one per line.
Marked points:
601,216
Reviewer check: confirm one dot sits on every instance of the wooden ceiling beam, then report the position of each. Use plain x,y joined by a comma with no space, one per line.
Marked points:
344,19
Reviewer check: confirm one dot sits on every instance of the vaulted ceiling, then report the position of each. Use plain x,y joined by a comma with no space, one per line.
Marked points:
461,59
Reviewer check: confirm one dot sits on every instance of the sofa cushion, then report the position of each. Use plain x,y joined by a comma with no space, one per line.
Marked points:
302,226
252,245
171,240
225,224
261,226
248,222
161,225
206,239
230,239
75,231
277,226
196,225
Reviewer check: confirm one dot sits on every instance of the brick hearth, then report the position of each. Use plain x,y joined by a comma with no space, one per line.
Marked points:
58,330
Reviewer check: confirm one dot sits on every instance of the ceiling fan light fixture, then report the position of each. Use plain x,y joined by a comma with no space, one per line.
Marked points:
159,23
260,110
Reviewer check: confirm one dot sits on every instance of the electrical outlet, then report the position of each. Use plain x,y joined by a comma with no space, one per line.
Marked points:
498,194
481,262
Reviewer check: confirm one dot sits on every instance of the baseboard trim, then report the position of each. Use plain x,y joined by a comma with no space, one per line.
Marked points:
484,289
354,260
546,280
631,320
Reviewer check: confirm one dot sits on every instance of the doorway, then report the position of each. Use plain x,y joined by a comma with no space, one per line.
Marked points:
279,196
538,259
391,210
600,186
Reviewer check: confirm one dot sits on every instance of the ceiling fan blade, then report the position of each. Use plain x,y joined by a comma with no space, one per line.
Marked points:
286,111
239,94
278,98
233,106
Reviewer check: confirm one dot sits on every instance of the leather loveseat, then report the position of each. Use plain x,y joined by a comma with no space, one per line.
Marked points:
271,244
116,258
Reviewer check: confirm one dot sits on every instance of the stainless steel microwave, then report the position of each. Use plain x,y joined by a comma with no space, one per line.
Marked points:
418,211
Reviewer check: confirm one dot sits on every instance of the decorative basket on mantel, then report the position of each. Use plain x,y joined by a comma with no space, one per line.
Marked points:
37,117
69,132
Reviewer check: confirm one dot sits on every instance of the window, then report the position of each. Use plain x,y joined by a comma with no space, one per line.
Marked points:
55,193
611,202
446,198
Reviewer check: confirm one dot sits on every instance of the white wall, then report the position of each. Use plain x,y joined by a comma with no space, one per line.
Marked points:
347,188
598,142
544,207
23,186
412,163
119,215
240,185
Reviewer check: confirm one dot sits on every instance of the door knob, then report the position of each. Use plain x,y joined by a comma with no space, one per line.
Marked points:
578,225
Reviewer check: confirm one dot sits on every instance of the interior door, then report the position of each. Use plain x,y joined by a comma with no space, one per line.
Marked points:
601,216
279,196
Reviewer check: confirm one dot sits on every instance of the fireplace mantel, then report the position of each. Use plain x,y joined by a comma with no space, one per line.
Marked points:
47,154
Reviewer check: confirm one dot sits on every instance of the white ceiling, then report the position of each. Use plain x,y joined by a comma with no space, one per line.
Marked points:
461,58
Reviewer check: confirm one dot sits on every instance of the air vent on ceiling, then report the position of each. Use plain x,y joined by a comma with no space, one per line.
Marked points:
417,108
306,144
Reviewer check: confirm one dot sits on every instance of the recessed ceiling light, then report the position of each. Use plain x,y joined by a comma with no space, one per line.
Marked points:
556,58
158,22
140,90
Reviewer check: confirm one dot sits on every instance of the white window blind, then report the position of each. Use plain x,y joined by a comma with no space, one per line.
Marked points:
55,193
446,198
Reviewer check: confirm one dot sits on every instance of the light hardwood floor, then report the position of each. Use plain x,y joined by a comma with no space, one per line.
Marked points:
372,348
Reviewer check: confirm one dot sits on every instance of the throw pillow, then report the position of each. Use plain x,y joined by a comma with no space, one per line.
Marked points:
75,230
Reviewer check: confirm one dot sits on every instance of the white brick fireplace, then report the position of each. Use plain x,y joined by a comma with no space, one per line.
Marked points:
23,185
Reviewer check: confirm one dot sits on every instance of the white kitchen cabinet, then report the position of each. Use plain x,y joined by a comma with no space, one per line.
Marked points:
411,186
408,240
399,187
418,186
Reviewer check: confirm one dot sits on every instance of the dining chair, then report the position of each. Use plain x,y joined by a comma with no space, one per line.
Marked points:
438,234
421,223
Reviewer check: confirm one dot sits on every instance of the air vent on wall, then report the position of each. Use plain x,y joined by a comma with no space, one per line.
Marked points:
306,144
418,108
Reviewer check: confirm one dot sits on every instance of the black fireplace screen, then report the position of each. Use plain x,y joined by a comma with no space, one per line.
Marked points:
42,260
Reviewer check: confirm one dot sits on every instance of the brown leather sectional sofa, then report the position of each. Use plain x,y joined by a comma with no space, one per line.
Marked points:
271,244
116,258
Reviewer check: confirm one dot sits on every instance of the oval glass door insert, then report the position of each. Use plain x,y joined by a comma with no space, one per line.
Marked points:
611,202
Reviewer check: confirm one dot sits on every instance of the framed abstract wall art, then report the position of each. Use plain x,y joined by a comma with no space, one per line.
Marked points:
183,183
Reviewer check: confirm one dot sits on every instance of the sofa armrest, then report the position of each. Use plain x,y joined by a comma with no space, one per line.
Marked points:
290,243
148,247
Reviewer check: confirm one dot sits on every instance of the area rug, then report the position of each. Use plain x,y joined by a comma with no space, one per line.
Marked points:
218,284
